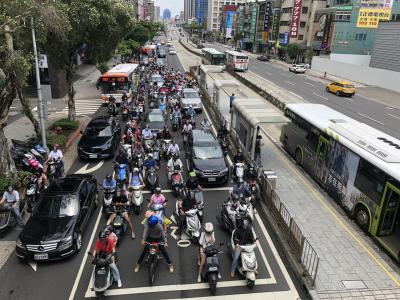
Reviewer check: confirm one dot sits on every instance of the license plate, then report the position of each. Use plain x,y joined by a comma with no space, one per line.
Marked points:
212,179
92,155
42,256
213,269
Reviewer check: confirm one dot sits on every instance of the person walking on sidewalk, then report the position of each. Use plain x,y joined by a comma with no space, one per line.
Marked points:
257,151
231,99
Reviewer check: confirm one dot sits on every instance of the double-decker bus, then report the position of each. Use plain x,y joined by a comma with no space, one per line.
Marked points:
358,165
236,61
122,78
211,56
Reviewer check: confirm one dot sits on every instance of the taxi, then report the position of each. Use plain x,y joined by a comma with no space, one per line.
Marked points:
341,88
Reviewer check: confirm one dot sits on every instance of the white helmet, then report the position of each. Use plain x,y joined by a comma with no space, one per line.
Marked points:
136,170
208,228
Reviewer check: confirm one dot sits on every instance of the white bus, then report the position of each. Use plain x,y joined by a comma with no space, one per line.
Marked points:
236,61
358,165
211,56
122,78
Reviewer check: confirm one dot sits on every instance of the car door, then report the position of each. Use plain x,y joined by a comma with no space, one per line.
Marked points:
84,200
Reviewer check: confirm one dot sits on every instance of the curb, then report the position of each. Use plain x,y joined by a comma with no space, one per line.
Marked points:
73,136
188,49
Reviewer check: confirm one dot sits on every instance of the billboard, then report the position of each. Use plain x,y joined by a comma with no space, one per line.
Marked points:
294,27
267,14
229,24
372,11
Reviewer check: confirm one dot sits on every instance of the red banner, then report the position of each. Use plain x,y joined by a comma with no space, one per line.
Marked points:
294,26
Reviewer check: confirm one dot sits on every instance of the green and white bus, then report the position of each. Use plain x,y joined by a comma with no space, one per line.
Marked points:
358,165
210,56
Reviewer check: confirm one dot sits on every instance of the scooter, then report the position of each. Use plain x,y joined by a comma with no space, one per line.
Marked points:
107,201
175,123
192,226
112,109
125,112
151,180
239,171
247,263
148,144
156,152
121,174
165,146
119,224
54,170
159,210
7,218
103,278
198,196
128,150
176,181
136,199
32,192
226,222
211,267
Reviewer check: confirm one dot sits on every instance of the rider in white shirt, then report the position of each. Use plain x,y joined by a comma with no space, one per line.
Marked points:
173,149
172,163
146,133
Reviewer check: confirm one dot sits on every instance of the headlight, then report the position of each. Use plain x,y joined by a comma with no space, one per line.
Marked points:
65,243
19,244
224,170
106,146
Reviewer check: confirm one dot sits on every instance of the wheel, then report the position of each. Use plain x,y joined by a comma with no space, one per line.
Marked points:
78,242
96,200
362,217
327,89
213,287
298,156
250,284
137,210
337,93
152,271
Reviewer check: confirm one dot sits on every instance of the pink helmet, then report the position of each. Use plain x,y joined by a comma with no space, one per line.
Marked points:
33,163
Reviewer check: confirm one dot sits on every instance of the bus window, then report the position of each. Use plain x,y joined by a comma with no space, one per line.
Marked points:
390,209
312,139
370,181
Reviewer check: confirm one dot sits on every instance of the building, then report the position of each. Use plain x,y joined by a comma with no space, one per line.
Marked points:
228,25
182,17
157,14
246,25
201,10
166,14
189,7
149,10
138,9
214,10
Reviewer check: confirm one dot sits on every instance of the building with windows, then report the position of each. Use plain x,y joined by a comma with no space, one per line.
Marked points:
166,14
189,9
214,11
138,9
149,10
157,14
201,9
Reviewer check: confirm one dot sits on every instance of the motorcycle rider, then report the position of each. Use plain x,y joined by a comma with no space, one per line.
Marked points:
250,174
193,182
128,132
238,158
205,125
241,189
165,134
157,198
136,179
222,132
146,133
124,98
106,245
57,155
187,128
187,203
121,199
173,162
243,235
121,158
153,232
10,200
112,103
37,169
137,149
233,207
109,182
173,149
176,112
149,163
206,239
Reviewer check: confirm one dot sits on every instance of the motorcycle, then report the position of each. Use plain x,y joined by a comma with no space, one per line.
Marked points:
119,224
148,144
165,146
125,111
175,123
211,267
7,218
152,258
54,170
192,119
122,174
247,262
32,192
20,148
151,180
136,199
225,220
192,225
108,194
198,196
159,210
112,109
176,181
156,152
239,171
224,145
128,150
102,277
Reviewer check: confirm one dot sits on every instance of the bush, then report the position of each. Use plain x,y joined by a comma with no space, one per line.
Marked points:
102,67
17,183
66,124
56,139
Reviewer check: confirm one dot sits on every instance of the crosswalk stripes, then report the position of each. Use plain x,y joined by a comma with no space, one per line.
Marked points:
85,106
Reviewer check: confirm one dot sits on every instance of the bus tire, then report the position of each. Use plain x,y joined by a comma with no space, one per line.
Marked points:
361,216
298,157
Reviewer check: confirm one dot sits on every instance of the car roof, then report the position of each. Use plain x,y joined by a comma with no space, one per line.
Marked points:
201,137
100,121
65,185
155,112
343,82
189,90
156,75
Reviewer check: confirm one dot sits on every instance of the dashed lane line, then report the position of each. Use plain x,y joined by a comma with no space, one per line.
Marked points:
372,119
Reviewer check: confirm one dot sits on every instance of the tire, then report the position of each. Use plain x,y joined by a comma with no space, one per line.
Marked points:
298,156
362,217
152,271
213,286
78,242
137,209
338,93
250,284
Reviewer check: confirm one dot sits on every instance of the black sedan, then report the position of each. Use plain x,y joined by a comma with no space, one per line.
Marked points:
155,119
100,138
263,58
54,231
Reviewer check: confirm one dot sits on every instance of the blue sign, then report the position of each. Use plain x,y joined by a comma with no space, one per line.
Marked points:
229,23
285,40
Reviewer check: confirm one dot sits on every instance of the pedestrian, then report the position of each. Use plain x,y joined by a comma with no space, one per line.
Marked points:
231,99
257,151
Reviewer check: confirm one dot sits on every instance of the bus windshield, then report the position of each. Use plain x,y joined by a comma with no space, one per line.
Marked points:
114,87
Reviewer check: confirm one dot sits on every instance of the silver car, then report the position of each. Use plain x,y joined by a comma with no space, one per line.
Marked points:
158,79
191,97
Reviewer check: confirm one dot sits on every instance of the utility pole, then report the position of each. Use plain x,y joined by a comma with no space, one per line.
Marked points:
39,91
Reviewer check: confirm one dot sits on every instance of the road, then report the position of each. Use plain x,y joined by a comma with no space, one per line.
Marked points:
373,113
69,279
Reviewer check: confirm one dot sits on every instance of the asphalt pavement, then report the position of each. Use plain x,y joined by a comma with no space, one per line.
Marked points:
376,114
69,279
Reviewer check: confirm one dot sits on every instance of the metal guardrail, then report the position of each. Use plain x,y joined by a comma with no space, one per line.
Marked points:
301,247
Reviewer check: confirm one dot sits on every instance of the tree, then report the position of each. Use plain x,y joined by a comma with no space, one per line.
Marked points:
237,37
309,53
99,24
292,50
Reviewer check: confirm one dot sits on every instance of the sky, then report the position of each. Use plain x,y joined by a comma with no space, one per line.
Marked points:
175,6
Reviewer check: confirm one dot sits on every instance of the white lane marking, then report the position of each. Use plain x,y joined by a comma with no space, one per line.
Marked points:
85,256
388,107
268,73
176,287
369,118
33,265
86,170
348,99
291,83
308,83
173,230
393,116
318,95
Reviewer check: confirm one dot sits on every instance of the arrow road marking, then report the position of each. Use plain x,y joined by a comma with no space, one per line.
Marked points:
173,230
86,170
33,265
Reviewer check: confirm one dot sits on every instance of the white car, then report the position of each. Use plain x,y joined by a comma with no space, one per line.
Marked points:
172,51
169,44
191,97
295,68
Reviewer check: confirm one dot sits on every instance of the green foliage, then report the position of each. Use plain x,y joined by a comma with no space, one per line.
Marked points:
66,124
16,182
292,50
102,67
309,53
56,139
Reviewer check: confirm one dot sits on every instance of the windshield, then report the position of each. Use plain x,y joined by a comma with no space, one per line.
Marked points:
156,118
157,78
218,60
114,87
348,86
98,131
207,152
242,57
58,206
190,95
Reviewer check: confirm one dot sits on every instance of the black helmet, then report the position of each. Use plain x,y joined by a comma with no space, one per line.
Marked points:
102,235
235,197
108,176
245,224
